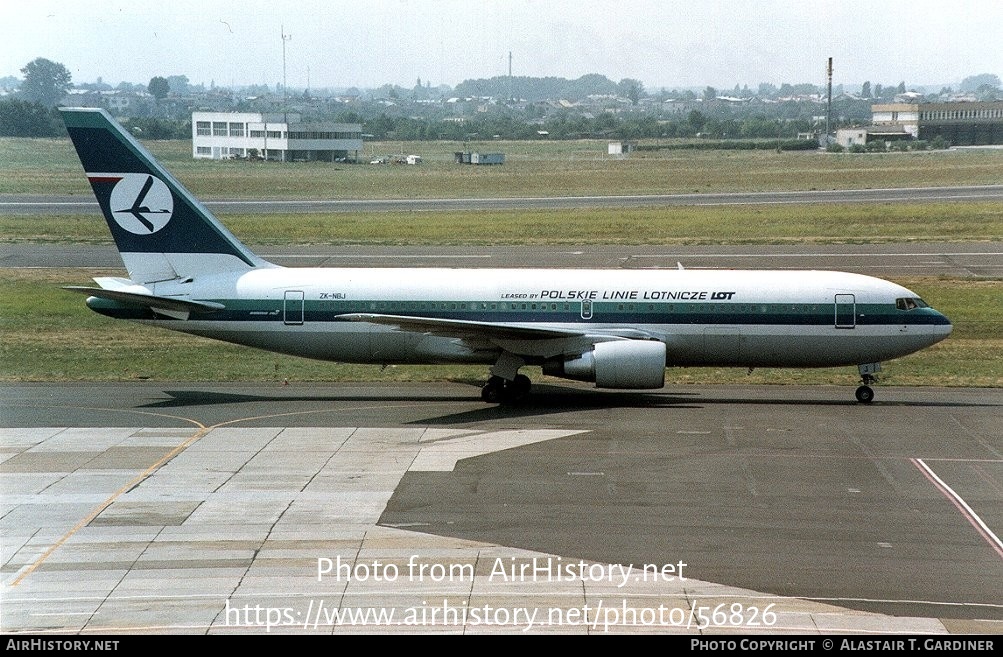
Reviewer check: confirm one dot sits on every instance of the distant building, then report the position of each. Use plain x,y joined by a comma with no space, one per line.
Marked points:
960,123
620,148
117,102
861,136
281,137
123,102
467,157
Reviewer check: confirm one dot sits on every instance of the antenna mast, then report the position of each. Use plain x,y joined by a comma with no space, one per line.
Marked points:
285,108
828,107
510,76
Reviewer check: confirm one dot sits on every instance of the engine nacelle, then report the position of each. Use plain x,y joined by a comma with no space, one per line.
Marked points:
638,364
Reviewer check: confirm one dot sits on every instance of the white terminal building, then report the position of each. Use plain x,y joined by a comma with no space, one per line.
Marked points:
280,137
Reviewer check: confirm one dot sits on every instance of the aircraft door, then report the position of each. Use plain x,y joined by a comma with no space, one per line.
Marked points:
292,308
846,311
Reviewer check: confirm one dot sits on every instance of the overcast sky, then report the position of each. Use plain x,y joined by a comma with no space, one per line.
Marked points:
367,43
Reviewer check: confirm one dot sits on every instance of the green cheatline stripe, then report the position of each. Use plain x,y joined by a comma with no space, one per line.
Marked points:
485,311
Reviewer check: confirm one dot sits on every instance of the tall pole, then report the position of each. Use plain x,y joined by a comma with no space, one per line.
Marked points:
285,114
285,37
510,76
828,108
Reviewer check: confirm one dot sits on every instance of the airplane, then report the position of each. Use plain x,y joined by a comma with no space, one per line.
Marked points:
619,329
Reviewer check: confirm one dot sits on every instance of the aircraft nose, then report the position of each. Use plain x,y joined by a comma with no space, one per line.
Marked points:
943,327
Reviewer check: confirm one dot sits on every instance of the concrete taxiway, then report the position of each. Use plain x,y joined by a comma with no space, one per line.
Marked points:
153,507
958,259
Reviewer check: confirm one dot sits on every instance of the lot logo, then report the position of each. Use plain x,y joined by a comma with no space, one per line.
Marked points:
141,204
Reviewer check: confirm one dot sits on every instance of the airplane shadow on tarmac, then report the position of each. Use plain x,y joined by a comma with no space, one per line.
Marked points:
543,400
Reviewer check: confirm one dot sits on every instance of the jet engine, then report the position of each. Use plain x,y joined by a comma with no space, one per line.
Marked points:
638,364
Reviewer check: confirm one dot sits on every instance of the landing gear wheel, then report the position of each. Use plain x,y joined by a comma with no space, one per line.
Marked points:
865,394
493,391
519,388
498,390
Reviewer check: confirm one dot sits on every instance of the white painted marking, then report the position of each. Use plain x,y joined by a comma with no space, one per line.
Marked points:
66,613
807,254
373,256
967,511
442,455
45,203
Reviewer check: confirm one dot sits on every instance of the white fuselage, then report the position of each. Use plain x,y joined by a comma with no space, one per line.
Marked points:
705,317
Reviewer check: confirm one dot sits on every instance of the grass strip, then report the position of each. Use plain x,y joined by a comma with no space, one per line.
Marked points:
819,224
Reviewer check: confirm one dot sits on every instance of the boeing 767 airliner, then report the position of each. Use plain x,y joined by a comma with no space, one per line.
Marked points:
617,328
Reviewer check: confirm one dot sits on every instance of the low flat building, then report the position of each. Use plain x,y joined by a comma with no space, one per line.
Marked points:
279,137
861,136
959,123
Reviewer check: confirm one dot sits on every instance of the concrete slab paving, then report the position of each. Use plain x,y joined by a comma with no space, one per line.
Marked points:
240,532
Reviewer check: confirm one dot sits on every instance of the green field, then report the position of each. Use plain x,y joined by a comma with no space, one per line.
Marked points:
572,168
47,334
856,223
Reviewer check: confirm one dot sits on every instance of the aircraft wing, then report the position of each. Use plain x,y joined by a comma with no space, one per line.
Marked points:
457,328
464,329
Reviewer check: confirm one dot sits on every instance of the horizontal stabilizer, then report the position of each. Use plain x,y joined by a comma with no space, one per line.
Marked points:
148,300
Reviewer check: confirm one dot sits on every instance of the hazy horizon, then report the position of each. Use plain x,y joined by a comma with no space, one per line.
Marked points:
672,45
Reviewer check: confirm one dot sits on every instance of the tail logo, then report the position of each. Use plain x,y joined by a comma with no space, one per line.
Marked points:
141,204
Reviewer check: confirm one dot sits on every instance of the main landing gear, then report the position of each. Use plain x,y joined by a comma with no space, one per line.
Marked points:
506,385
865,394
498,390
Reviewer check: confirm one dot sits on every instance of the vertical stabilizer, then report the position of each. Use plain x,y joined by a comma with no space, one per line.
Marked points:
162,232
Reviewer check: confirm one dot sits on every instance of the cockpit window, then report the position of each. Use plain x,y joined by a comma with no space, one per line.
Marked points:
910,303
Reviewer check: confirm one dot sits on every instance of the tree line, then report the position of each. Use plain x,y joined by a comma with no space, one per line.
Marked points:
616,115
21,118
572,125
31,113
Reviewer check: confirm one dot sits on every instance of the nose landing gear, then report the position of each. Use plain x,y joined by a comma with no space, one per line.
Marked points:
865,394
